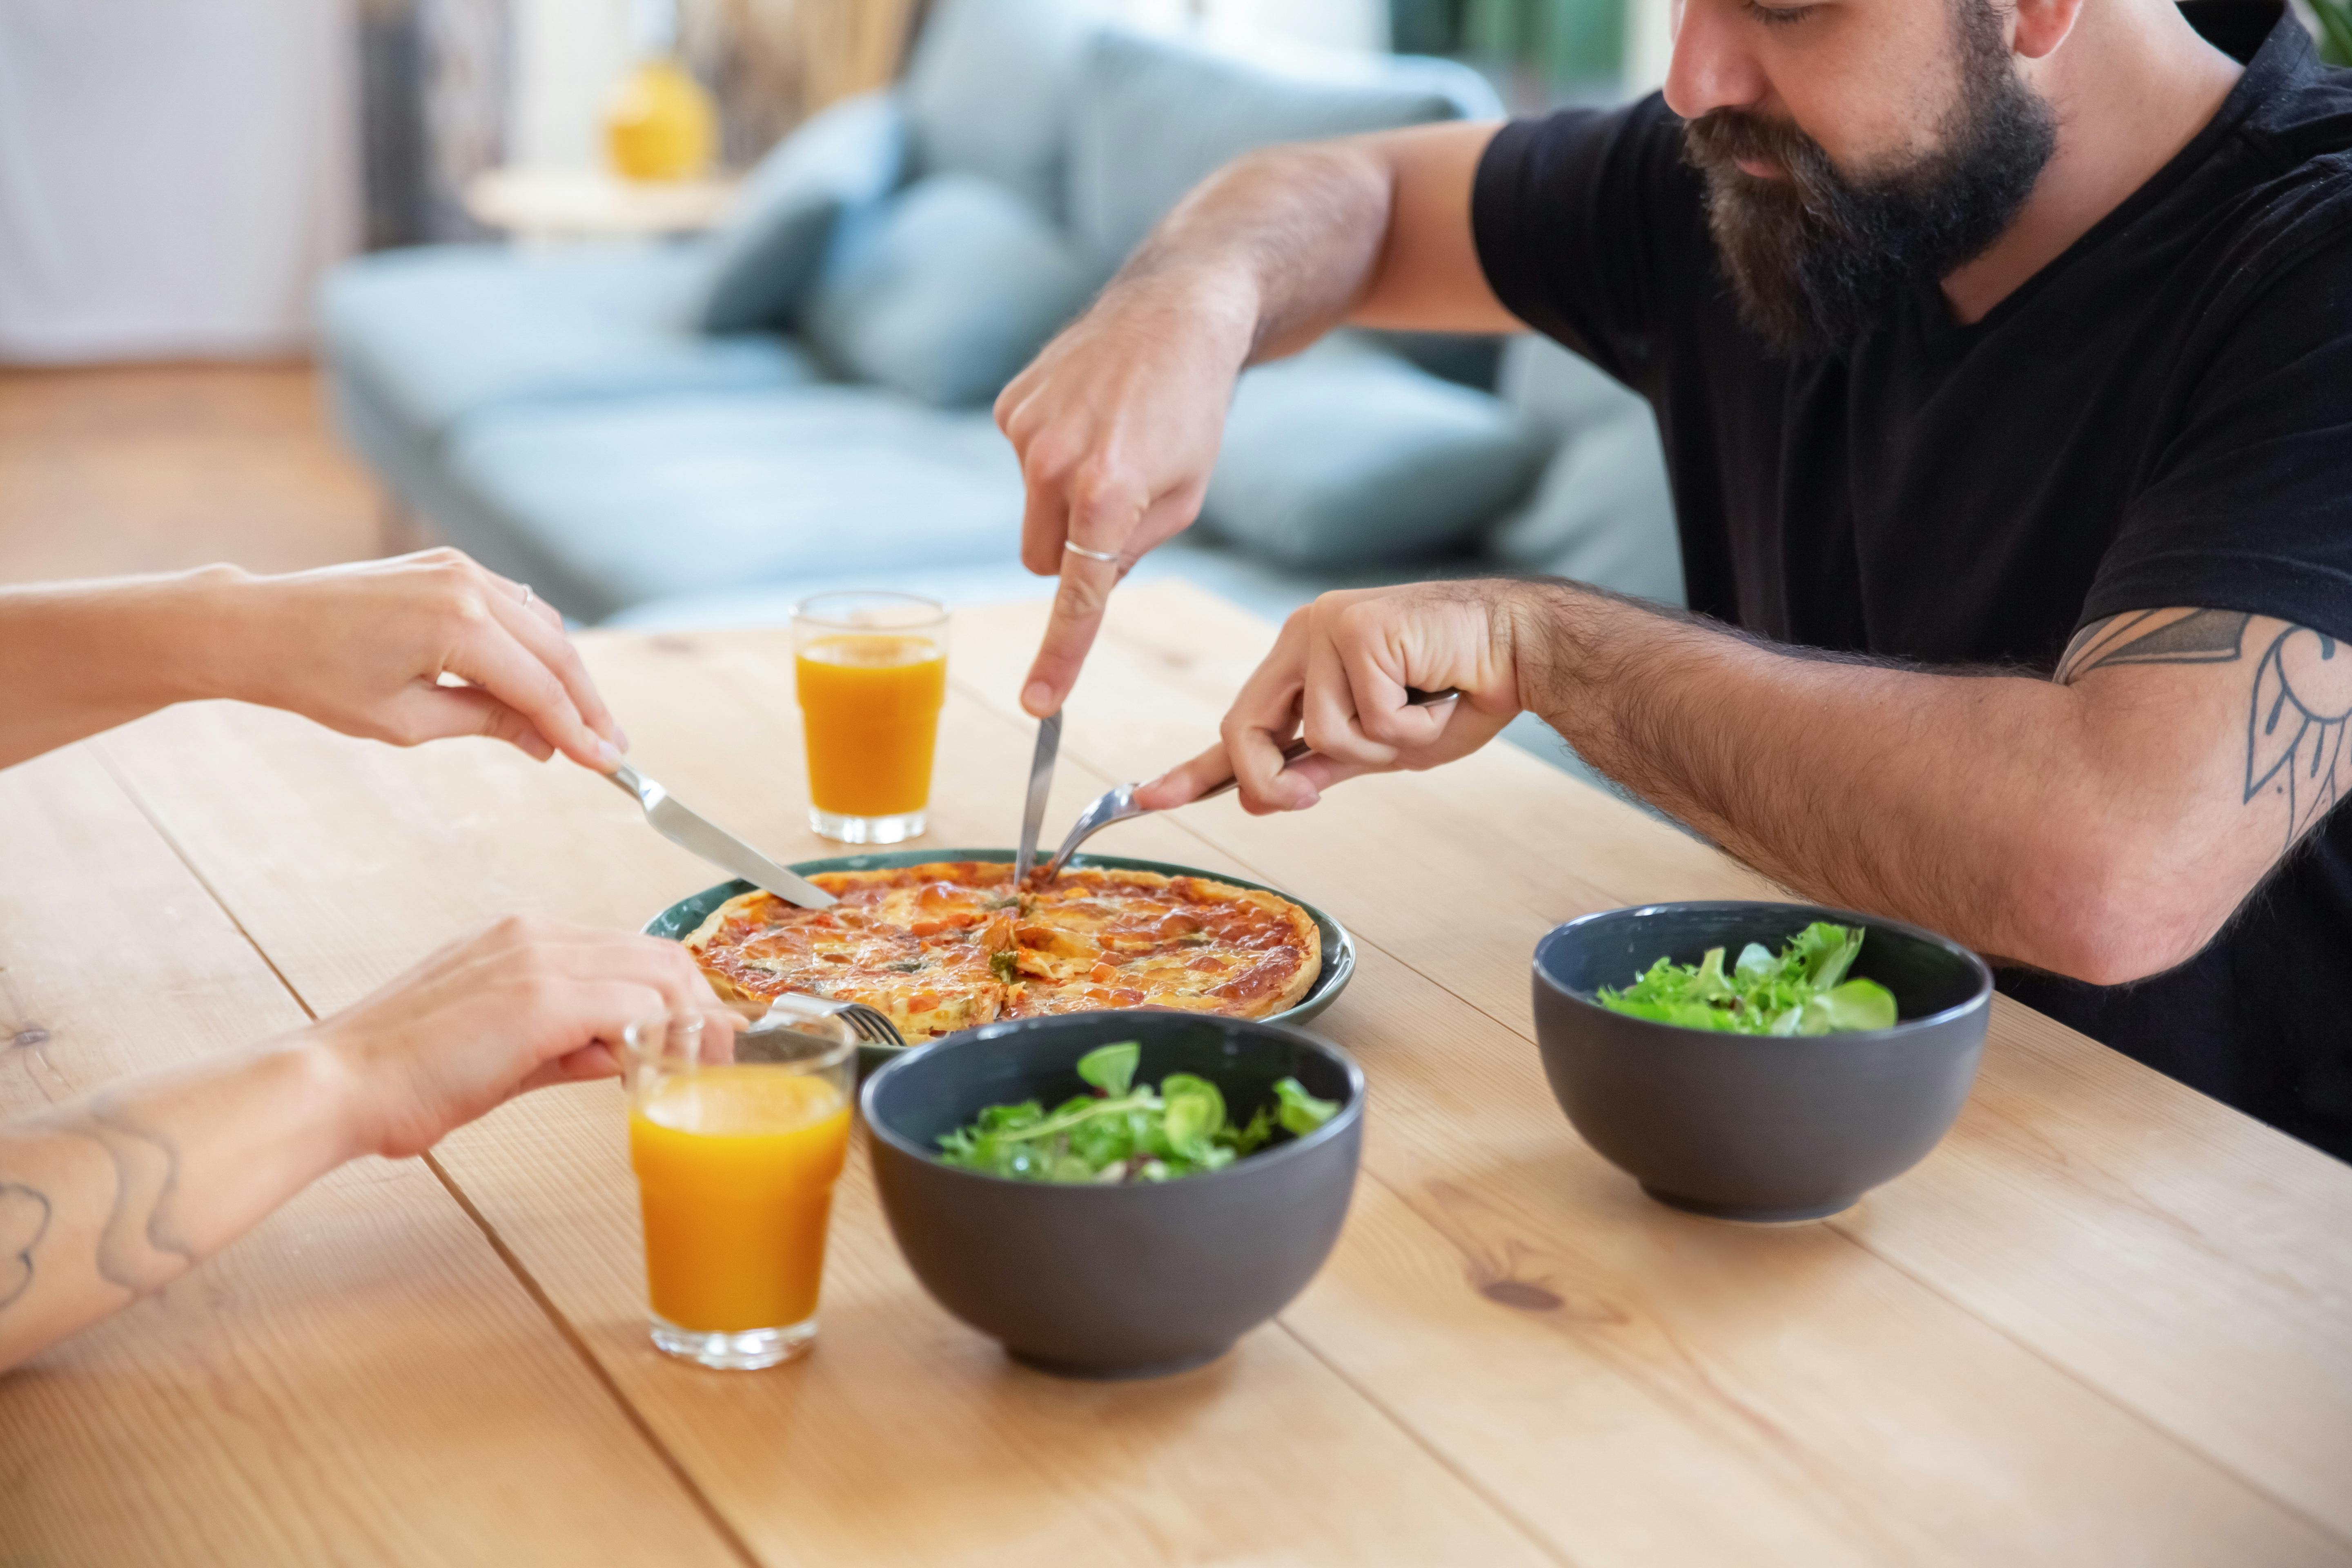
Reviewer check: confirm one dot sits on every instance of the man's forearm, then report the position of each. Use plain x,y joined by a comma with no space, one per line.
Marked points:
79,657
1282,242
1981,806
115,1196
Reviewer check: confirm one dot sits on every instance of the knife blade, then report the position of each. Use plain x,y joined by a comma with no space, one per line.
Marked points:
1041,785
698,835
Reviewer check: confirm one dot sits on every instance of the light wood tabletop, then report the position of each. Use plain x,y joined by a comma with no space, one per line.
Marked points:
2107,1321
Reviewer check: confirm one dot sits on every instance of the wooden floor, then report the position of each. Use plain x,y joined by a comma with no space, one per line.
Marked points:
151,468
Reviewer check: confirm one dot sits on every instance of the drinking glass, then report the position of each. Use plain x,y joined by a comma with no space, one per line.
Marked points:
872,671
736,1153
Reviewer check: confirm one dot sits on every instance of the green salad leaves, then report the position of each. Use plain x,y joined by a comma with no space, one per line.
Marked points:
1121,1133
1803,992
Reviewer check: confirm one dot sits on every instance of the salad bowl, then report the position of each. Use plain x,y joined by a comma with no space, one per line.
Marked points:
1749,1127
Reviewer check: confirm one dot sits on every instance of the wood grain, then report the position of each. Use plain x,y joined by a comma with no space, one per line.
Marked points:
360,1379
907,1438
1627,1385
2171,1252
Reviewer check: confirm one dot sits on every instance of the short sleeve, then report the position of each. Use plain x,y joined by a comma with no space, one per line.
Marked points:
1588,224
2247,503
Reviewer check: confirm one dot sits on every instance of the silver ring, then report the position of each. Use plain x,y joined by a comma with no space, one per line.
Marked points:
1108,557
526,594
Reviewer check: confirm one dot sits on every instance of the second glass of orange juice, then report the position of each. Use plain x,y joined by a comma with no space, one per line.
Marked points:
736,1151
872,672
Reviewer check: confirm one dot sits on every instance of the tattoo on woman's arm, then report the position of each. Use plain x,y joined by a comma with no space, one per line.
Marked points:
139,1247
2297,747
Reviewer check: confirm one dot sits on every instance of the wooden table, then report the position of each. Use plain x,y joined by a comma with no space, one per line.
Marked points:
2108,1321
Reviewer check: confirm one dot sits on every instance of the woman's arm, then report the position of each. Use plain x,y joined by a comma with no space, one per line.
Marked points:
370,650
114,1195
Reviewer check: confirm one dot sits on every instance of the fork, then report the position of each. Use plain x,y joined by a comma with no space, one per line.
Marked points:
870,1025
1118,805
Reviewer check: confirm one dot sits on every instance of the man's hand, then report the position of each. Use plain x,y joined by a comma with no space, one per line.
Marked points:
523,1004
1118,421
363,648
1340,671
1116,425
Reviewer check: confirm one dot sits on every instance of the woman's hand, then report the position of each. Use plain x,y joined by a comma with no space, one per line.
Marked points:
523,1004
370,648
1340,671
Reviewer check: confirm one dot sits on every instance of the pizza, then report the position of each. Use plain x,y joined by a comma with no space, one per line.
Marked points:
944,946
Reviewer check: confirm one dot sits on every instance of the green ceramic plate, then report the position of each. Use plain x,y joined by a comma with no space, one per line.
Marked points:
684,917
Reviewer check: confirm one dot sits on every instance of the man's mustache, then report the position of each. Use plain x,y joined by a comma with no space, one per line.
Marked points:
1721,137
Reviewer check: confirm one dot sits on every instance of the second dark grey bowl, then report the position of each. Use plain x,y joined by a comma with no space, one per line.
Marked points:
1748,1127
1113,1281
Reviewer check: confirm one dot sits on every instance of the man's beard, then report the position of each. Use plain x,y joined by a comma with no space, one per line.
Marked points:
1819,261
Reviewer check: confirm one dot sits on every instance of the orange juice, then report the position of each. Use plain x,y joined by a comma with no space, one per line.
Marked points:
735,1167
870,708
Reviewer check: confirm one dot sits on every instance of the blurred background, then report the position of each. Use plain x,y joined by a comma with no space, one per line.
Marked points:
680,310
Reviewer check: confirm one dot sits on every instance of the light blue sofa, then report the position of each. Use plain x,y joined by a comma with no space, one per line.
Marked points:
703,432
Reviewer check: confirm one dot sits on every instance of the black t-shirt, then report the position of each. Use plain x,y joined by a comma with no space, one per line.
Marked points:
2160,416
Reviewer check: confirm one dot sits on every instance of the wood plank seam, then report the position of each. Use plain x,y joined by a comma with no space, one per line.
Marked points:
139,802
1017,720
563,1325
1445,1461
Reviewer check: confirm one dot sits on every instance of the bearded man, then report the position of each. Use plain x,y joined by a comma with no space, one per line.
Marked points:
2003,351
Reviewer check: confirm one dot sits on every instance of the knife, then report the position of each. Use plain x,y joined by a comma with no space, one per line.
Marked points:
698,835
1041,785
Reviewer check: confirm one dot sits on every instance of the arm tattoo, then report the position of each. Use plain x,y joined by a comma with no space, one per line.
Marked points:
23,1220
140,1249
2296,747
139,1246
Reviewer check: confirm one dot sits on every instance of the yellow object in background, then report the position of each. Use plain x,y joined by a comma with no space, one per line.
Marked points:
660,123
735,1168
870,711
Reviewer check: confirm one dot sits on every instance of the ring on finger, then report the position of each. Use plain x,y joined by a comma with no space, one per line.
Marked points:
1109,557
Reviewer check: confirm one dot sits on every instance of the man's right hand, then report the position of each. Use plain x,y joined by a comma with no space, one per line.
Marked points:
1117,426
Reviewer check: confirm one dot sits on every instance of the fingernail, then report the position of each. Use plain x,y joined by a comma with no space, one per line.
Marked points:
1039,698
620,737
608,756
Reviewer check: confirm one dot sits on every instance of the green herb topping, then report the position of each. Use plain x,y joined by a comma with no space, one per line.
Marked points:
1803,992
1121,1133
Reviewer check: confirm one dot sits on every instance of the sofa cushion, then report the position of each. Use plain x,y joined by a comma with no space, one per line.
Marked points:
988,90
946,294
764,259
1601,512
1154,116
624,502
437,332
1347,454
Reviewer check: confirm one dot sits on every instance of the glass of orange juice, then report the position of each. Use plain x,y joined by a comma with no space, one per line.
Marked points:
736,1154
871,673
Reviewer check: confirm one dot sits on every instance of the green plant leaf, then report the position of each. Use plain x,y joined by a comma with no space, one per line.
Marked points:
1298,1113
1111,1068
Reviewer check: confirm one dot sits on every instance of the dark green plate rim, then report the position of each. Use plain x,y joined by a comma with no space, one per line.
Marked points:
684,917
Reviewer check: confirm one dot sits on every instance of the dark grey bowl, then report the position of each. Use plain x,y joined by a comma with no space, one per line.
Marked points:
1124,1281
1746,1128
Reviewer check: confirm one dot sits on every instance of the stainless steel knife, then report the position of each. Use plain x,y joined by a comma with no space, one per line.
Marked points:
1041,785
698,835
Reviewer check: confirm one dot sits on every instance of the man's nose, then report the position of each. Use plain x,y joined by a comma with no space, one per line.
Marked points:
1713,66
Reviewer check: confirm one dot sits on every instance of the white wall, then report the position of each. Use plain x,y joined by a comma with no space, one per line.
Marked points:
174,174
1649,43
568,55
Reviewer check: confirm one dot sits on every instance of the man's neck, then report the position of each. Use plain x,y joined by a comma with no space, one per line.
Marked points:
2131,85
